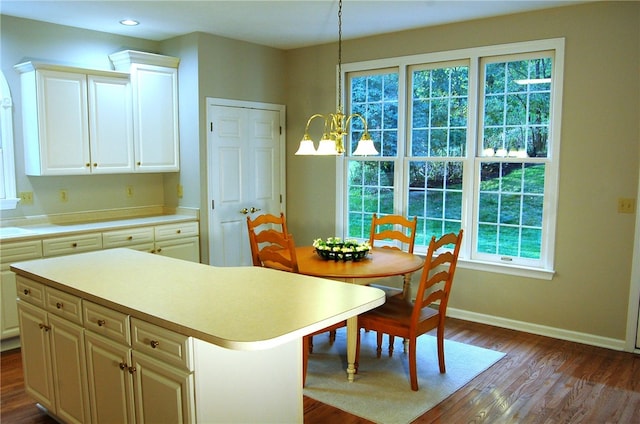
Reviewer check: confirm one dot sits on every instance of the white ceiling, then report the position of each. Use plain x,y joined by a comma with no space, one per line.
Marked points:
284,24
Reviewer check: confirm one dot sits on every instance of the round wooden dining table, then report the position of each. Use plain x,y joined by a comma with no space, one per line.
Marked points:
381,262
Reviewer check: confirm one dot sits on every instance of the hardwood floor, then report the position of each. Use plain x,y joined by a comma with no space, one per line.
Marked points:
541,380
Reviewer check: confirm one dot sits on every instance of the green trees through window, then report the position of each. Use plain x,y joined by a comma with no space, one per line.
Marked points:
456,158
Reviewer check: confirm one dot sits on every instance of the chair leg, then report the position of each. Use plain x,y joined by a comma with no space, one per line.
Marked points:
332,336
441,347
413,373
379,340
305,358
392,340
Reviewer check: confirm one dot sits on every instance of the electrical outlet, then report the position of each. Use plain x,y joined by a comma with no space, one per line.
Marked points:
26,197
129,191
180,191
626,205
64,195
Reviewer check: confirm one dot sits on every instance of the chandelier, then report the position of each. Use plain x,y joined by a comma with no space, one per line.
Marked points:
336,124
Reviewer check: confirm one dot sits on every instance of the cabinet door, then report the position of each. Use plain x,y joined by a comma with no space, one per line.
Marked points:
36,354
155,112
187,248
8,308
62,123
69,370
110,381
163,394
110,124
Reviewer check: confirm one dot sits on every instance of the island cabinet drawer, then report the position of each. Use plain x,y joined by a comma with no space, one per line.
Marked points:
171,231
127,238
19,251
160,343
30,291
72,244
63,304
107,322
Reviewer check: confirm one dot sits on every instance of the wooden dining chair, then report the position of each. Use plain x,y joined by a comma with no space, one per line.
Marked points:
279,252
403,318
260,227
394,232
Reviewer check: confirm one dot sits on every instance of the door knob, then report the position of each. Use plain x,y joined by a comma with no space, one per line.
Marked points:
255,209
244,211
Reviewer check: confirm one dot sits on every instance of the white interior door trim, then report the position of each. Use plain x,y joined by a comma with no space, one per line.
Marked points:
633,315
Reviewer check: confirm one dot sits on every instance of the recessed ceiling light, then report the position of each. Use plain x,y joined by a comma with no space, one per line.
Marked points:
129,22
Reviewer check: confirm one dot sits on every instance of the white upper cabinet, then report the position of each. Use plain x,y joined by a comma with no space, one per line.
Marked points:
76,121
154,83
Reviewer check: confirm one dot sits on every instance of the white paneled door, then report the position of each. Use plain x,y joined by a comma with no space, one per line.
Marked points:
245,174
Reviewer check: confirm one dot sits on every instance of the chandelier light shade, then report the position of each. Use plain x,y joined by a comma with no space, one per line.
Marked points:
336,124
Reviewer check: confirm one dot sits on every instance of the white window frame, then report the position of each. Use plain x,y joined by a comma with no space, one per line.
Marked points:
545,270
8,198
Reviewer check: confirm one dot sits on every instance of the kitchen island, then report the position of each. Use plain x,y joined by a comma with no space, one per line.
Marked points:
186,342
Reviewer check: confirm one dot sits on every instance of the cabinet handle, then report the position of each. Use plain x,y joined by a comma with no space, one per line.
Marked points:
59,305
26,292
139,163
130,238
44,327
87,165
123,365
95,165
74,244
154,344
159,250
253,209
178,232
244,211
101,322
132,370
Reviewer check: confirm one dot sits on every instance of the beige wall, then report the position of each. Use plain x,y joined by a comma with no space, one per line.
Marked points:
218,67
23,40
599,159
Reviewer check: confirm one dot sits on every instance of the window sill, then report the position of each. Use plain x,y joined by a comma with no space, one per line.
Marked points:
520,271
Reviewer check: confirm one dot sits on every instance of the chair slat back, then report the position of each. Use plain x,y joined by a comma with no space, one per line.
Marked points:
393,228
437,274
264,223
279,253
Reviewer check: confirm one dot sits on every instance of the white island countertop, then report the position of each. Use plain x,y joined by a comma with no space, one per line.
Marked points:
241,308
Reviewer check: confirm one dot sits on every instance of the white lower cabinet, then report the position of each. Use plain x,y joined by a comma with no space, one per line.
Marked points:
9,253
163,394
128,385
53,354
110,381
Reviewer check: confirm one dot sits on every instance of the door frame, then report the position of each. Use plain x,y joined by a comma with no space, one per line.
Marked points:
633,314
215,101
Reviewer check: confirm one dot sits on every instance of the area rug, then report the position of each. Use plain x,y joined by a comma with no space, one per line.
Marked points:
381,391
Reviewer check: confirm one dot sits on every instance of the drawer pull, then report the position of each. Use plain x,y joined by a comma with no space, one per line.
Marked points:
74,244
26,292
59,305
130,238
154,344
101,322
123,365
44,327
178,232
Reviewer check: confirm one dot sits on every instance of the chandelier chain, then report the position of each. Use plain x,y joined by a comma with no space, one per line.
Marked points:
339,56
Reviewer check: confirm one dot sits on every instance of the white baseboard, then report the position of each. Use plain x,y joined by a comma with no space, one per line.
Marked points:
9,344
542,330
